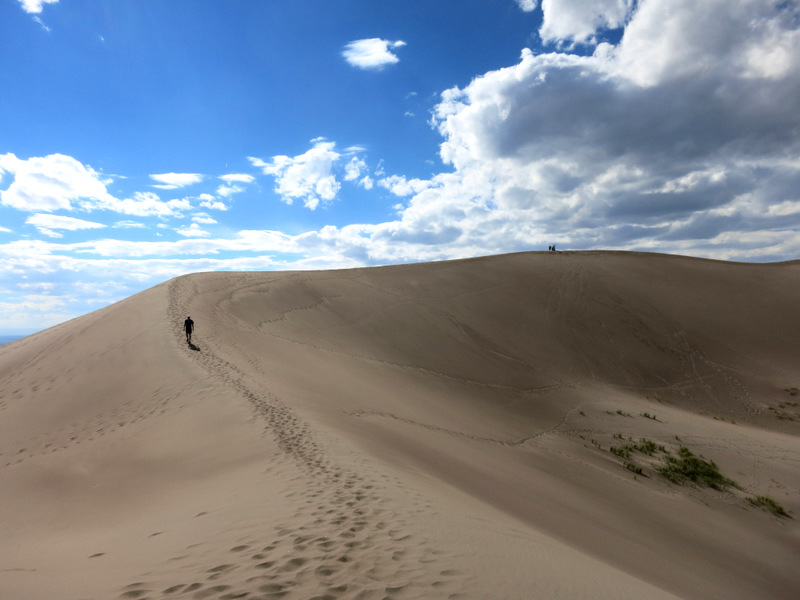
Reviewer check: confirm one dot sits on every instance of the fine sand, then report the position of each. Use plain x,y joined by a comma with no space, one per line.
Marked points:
437,430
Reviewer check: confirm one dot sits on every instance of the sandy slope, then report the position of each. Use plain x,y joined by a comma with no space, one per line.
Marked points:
422,431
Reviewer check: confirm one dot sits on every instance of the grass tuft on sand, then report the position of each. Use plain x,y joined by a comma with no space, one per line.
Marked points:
689,468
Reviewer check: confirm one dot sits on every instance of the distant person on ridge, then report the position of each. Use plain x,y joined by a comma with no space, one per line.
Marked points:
188,327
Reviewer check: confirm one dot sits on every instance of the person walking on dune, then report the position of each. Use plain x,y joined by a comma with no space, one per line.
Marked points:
188,327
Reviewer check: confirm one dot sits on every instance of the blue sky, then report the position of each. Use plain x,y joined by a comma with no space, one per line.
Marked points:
142,140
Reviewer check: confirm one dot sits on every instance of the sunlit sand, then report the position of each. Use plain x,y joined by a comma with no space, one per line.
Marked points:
440,430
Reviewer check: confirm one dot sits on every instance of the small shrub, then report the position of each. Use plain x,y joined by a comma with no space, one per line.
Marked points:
768,504
646,446
687,467
621,451
634,468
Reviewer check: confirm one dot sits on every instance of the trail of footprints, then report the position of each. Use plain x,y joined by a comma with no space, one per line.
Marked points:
351,544
308,563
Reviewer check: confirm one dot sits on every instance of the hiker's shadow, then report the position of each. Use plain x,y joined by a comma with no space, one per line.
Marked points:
193,347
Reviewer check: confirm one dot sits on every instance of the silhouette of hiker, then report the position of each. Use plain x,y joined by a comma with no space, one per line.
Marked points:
188,327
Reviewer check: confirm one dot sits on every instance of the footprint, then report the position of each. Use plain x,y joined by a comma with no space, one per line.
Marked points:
211,591
293,564
174,589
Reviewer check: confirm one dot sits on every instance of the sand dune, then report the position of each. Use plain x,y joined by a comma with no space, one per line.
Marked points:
438,430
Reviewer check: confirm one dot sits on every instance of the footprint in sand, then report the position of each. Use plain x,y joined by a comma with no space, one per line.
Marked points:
293,564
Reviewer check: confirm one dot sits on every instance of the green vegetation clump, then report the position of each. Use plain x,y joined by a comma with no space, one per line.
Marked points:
644,446
688,468
636,469
769,505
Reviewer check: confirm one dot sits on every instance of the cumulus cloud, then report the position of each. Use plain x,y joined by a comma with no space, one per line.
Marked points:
528,5
674,138
35,6
210,202
51,183
226,191
401,186
61,183
371,53
171,181
308,176
579,20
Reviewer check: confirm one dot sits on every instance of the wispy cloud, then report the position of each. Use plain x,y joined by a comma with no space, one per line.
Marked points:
372,53
148,204
193,230
34,7
171,181
237,178
204,219
48,224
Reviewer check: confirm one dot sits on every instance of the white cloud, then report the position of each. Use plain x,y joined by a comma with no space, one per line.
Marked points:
354,168
58,182
51,183
211,202
35,6
129,225
237,178
372,53
204,219
579,20
171,181
226,191
668,141
308,176
193,230
528,5
47,224
400,186
148,204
